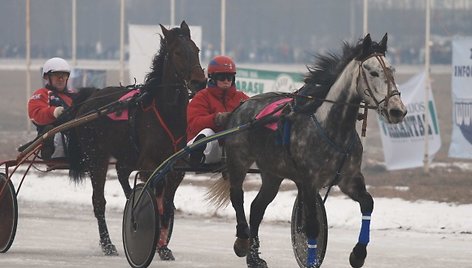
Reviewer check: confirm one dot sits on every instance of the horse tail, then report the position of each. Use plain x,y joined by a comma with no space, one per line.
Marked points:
76,159
219,193
77,167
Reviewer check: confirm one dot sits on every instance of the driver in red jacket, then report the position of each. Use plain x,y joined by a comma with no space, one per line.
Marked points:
48,103
209,110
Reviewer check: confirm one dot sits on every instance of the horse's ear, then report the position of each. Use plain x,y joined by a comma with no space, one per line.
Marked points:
383,43
185,28
367,41
164,31
366,45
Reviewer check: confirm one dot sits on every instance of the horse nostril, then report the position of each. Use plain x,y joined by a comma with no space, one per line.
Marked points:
397,113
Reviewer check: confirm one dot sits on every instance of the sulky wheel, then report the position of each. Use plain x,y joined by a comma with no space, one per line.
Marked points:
140,227
8,213
299,240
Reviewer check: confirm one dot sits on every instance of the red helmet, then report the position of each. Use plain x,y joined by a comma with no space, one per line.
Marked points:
221,64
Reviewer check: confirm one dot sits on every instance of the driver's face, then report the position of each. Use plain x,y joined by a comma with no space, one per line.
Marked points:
224,80
59,80
224,84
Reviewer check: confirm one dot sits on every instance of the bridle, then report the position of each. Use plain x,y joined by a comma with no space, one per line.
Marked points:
179,75
182,84
368,91
389,80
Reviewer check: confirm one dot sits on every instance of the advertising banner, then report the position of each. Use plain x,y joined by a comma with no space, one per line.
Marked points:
461,139
404,143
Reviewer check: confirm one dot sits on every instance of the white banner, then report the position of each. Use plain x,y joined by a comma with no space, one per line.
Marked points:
461,140
404,143
144,43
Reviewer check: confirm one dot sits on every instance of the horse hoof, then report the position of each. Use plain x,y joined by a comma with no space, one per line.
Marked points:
358,255
109,250
355,262
256,263
165,254
241,247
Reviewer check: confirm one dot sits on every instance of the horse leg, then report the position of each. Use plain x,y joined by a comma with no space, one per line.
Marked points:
308,197
356,190
98,177
165,201
241,245
269,189
123,171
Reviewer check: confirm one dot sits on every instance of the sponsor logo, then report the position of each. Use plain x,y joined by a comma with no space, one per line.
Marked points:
36,97
462,118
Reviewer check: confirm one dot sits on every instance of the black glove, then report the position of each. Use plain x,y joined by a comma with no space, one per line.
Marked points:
222,118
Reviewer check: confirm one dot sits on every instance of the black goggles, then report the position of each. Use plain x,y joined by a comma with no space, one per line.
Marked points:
223,76
60,74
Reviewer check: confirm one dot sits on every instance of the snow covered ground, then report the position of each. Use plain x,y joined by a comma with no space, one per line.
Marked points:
419,216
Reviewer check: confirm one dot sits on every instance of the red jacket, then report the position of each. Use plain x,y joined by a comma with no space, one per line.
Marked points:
42,104
204,106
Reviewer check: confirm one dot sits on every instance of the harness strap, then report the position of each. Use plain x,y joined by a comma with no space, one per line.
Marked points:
346,152
132,126
175,141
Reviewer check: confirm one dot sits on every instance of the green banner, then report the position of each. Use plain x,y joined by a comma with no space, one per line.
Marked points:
254,81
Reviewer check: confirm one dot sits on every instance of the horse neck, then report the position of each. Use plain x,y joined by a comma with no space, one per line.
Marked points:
339,118
170,106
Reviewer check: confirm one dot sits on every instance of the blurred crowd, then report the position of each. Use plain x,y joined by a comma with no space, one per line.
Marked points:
88,51
281,53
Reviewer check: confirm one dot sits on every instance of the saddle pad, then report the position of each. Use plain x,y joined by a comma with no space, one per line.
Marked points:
123,114
270,108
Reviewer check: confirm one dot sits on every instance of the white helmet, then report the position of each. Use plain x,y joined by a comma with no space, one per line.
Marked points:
56,65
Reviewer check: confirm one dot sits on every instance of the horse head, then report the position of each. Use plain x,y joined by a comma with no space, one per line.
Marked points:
183,59
375,82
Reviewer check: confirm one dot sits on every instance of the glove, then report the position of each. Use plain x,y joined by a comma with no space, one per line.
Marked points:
58,111
222,118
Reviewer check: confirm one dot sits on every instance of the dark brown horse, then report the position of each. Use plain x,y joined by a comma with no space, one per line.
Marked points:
154,131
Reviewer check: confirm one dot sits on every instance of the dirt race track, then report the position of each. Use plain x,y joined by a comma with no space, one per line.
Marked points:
446,183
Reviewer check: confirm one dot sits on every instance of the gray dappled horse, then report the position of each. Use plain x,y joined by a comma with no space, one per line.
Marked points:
323,141
156,132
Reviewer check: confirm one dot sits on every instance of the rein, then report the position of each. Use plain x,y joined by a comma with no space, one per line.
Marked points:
130,87
344,151
360,116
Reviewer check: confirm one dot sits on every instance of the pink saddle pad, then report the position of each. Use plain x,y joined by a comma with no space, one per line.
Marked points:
270,108
123,114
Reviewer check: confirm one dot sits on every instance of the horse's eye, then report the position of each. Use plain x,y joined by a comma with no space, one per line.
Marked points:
374,74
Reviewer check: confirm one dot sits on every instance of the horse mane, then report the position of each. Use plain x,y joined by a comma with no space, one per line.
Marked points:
324,72
327,67
154,77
